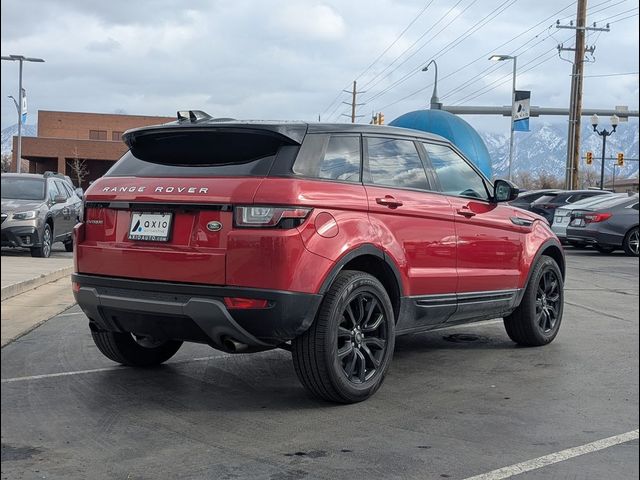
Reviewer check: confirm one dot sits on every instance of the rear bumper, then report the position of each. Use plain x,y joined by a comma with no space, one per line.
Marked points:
193,312
23,236
592,237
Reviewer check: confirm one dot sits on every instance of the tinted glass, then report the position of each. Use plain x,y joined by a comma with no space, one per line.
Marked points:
53,190
61,188
22,188
396,163
614,202
200,154
456,176
549,198
332,158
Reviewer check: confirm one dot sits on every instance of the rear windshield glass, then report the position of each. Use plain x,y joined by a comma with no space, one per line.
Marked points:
200,154
548,198
22,188
614,202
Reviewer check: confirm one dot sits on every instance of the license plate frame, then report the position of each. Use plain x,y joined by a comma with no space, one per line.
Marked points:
150,226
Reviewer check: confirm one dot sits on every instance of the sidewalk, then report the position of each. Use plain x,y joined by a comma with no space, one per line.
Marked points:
33,290
20,272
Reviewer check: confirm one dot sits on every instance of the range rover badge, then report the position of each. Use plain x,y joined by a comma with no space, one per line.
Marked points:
214,226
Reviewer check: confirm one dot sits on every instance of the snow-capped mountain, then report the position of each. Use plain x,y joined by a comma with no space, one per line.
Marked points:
544,149
9,132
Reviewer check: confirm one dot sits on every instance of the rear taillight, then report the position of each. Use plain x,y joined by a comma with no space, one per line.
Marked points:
596,217
270,217
240,303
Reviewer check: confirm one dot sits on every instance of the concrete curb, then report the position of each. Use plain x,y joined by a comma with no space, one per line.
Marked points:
26,285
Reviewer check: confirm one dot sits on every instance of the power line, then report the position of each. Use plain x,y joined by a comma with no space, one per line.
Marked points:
450,46
612,74
337,97
370,83
484,55
415,19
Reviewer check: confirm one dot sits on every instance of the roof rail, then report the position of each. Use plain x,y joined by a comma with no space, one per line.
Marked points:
53,174
194,116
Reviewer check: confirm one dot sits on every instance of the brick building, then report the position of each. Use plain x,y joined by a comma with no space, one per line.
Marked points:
94,138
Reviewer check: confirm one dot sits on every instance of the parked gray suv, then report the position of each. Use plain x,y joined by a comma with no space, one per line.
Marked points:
38,210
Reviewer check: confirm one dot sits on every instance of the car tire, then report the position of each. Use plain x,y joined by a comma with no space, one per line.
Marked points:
44,250
345,354
604,250
537,319
630,243
127,349
68,246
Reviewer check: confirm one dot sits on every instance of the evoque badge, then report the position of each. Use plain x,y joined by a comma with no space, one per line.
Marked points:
214,226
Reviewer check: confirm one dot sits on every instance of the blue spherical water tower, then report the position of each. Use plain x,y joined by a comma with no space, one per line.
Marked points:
453,128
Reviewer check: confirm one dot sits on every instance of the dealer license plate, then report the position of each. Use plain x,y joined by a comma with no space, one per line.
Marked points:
152,227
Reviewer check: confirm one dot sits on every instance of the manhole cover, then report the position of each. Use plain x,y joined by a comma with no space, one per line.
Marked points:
461,338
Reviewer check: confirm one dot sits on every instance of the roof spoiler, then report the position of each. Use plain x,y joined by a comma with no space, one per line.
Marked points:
193,116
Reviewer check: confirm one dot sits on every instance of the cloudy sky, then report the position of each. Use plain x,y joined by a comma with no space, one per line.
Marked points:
290,59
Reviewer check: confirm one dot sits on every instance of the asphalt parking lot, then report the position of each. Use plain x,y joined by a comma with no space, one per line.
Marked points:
451,407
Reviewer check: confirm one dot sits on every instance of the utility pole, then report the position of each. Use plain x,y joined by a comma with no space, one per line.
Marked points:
575,106
354,93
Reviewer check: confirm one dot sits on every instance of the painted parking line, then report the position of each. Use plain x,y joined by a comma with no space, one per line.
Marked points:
561,456
105,369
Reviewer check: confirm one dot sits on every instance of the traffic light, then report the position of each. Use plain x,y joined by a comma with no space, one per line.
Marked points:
589,158
621,159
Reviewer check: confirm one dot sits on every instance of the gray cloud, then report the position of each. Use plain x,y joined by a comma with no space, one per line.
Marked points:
289,60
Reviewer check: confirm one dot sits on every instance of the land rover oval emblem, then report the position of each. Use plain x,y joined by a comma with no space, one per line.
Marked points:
214,226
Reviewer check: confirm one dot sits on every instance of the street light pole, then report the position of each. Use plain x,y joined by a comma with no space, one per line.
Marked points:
20,59
604,133
500,58
435,101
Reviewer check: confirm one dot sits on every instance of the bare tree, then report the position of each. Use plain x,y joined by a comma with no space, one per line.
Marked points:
525,180
546,180
79,169
589,177
6,162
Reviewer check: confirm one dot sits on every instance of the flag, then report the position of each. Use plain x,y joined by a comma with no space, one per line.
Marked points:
24,106
521,109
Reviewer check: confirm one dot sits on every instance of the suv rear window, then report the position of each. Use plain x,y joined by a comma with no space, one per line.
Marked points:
200,154
549,198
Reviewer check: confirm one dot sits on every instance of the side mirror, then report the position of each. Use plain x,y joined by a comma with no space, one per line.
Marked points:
59,199
504,191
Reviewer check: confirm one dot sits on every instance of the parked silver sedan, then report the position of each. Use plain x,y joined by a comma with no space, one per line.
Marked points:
562,215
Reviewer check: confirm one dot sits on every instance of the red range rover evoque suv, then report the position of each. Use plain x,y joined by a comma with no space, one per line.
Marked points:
327,240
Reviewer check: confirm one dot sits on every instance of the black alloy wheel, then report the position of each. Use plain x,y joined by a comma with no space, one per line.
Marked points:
631,243
344,355
362,338
547,301
536,321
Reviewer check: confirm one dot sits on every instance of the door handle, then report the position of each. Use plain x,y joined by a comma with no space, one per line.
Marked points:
389,201
465,212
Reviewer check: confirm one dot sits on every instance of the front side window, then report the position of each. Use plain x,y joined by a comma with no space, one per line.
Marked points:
395,163
53,191
61,188
457,177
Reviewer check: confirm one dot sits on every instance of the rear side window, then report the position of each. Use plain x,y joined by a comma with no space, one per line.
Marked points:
456,176
395,163
334,157
203,153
